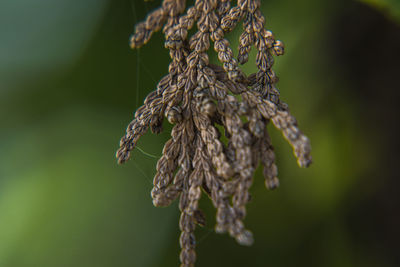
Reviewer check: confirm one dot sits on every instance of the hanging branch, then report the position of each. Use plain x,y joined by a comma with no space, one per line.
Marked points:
196,97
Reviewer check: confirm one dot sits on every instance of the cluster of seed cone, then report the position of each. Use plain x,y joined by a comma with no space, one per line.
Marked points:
219,114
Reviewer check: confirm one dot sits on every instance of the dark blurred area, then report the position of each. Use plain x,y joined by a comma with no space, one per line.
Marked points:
69,85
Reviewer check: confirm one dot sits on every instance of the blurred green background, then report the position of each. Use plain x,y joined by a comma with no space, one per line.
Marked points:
69,85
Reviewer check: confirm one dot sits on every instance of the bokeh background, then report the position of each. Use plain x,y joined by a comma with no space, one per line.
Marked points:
69,85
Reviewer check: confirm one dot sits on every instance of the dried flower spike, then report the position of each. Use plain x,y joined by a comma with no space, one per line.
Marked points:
196,97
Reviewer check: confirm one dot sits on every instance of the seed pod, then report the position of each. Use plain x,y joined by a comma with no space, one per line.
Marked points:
174,115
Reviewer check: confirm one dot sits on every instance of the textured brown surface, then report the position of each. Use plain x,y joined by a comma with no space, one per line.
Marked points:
196,96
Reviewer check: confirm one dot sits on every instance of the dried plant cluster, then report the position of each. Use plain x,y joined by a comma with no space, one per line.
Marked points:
204,102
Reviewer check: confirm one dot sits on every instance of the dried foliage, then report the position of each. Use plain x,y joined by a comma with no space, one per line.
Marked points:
204,101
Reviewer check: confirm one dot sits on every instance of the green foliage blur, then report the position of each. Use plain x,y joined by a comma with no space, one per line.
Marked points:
390,8
69,85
